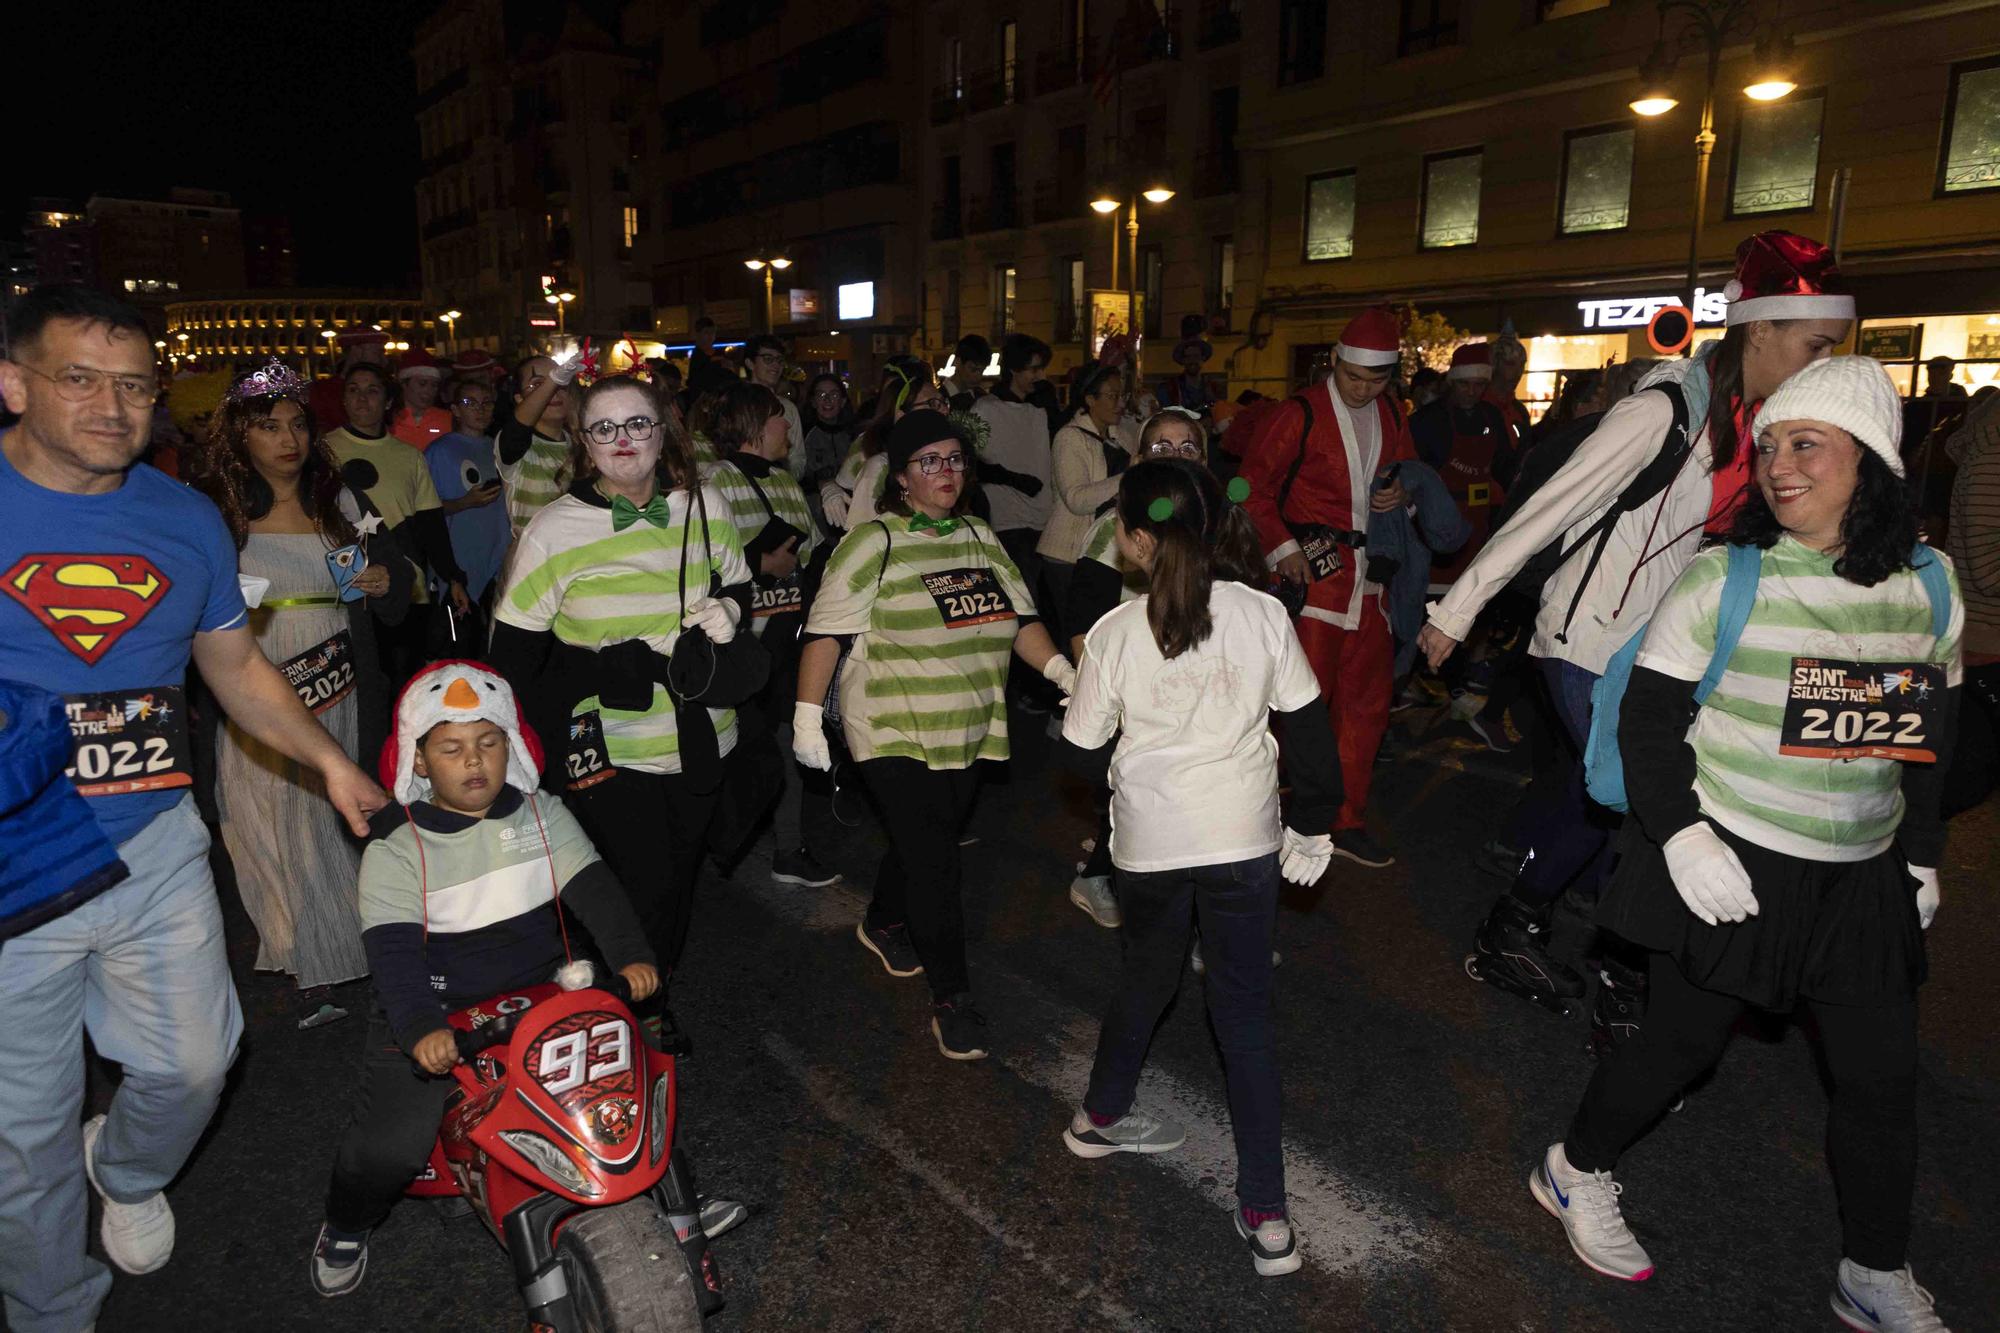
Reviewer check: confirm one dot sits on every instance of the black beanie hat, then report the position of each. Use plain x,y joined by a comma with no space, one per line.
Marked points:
913,432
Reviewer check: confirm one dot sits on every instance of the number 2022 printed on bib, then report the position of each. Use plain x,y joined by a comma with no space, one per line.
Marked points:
129,740
968,597
1862,710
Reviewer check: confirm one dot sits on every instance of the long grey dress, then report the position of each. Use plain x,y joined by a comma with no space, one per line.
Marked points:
295,867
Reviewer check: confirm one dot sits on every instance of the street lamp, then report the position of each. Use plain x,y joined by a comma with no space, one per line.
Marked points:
451,318
768,267
560,300
1708,26
1107,202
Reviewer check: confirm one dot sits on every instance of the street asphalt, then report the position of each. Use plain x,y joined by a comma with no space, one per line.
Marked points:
894,1190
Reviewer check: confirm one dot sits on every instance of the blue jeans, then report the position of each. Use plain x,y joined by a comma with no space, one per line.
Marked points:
1569,836
1237,905
142,968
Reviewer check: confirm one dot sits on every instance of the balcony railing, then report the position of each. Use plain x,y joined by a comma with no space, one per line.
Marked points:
947,220
999,212
1221,23
997,87
1059,69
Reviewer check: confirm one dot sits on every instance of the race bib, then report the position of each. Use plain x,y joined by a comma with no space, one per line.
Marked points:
129,740
785,595
323,675
1322,554
968,597
585,760
1862,710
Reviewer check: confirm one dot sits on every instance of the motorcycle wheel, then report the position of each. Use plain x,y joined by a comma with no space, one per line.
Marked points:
627,1272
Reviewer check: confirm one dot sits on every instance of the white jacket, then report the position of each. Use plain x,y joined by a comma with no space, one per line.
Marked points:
1017,438
1083,482
1628,438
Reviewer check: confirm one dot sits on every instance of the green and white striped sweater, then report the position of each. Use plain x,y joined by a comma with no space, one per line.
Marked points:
1813,808
916,686
748,513
531,481
1100,544
572,575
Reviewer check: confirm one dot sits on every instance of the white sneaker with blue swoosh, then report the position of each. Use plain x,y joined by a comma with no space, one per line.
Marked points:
1879,1301
1586,1203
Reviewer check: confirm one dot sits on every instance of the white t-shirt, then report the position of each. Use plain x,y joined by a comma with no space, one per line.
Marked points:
1194,780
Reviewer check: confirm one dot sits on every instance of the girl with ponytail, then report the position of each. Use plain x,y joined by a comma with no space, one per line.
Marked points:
1187,677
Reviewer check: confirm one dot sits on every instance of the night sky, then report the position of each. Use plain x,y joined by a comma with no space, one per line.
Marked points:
298,108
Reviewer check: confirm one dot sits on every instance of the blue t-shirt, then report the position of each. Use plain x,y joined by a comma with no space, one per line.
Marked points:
479,535
106,592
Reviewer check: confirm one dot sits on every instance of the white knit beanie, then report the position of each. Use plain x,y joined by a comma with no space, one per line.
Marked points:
1851,392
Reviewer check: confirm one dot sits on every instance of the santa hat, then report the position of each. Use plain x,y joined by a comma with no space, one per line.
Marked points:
475,361
417,361
1851,392
1472,361
361,336
1780,275
456,691
1372,338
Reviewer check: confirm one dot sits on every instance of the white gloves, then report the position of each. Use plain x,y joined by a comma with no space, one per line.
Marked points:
809,737
715,615
833,503
1712,882
1059,673
1303,860
566,368
1927,894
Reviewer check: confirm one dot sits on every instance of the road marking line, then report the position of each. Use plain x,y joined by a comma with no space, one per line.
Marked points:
1342,1227
869,1125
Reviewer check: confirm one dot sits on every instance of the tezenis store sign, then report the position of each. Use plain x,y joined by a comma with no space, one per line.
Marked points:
1631,312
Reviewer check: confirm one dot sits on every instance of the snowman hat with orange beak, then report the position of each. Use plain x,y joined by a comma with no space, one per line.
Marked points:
456,691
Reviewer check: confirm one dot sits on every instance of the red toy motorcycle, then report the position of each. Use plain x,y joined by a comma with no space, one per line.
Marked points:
561,1136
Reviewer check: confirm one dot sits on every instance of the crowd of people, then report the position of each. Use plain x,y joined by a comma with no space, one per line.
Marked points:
1218,605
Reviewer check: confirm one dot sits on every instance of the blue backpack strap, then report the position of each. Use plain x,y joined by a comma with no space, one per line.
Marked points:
1930,572
1739,595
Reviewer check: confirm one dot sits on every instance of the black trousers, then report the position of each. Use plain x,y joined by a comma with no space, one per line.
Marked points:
396,1117
918,883
1871,1126
652,830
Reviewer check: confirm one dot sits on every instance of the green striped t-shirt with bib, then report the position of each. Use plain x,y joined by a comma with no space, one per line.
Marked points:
1100,545
573,576
934,631
531,479
1812,808
747,512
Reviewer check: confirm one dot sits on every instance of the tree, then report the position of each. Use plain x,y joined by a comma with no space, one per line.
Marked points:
1428,340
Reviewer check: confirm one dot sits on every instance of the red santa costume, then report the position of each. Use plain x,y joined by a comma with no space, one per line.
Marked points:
418,429
359,343
1466,448
1310,496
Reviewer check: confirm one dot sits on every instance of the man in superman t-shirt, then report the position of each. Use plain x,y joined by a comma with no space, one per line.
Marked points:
113,577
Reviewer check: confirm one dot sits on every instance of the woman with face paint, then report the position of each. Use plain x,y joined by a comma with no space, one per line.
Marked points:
1786,827
604,583
932,608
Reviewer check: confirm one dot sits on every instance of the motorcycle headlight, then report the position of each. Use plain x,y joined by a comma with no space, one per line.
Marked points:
656,1134
550,1160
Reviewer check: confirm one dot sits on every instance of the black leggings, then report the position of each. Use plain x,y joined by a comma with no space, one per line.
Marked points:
652,830
396,1118
918,886
1871,1126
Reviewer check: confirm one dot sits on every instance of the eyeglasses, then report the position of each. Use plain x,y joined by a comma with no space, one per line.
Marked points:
1173,449
770,358
633,428
932,464
829,393
80,384
473,402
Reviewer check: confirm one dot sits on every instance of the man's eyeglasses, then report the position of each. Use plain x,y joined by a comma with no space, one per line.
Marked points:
473,402
770,358
80,384
932,464
633,428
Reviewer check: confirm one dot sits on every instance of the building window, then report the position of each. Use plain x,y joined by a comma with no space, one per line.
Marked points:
631,224
1069,299
1301,40
1152,269
1003,300
954,67
1427,25
1972,129
1451,199
1597,180
1222,279
1009,50
1076,14
1776,162
1330,215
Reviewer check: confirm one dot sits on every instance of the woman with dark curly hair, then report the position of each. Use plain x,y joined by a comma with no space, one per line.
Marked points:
1787,823
293,519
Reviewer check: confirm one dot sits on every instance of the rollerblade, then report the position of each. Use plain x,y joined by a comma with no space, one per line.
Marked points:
1618,1009
1511,952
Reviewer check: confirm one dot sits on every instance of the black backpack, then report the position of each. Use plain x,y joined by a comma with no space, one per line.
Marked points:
1545,459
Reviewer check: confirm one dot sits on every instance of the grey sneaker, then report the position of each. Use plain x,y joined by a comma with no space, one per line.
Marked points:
1135,1131
720,1215
1093,894
1876,1301
1274,1246
340,1260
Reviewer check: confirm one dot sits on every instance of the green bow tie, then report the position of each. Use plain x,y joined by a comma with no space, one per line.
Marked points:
943,527
624,513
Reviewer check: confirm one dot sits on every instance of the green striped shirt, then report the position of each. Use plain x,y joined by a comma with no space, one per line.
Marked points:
917,687
1816,809
747,512
572,575
1100,544
531,481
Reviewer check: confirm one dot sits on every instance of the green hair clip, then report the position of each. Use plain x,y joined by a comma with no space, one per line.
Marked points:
1238,490
1160,510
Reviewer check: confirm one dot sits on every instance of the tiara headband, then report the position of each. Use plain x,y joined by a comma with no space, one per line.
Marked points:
274,379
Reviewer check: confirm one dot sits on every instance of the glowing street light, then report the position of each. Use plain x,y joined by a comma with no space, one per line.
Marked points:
560,300
451,318
768,267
